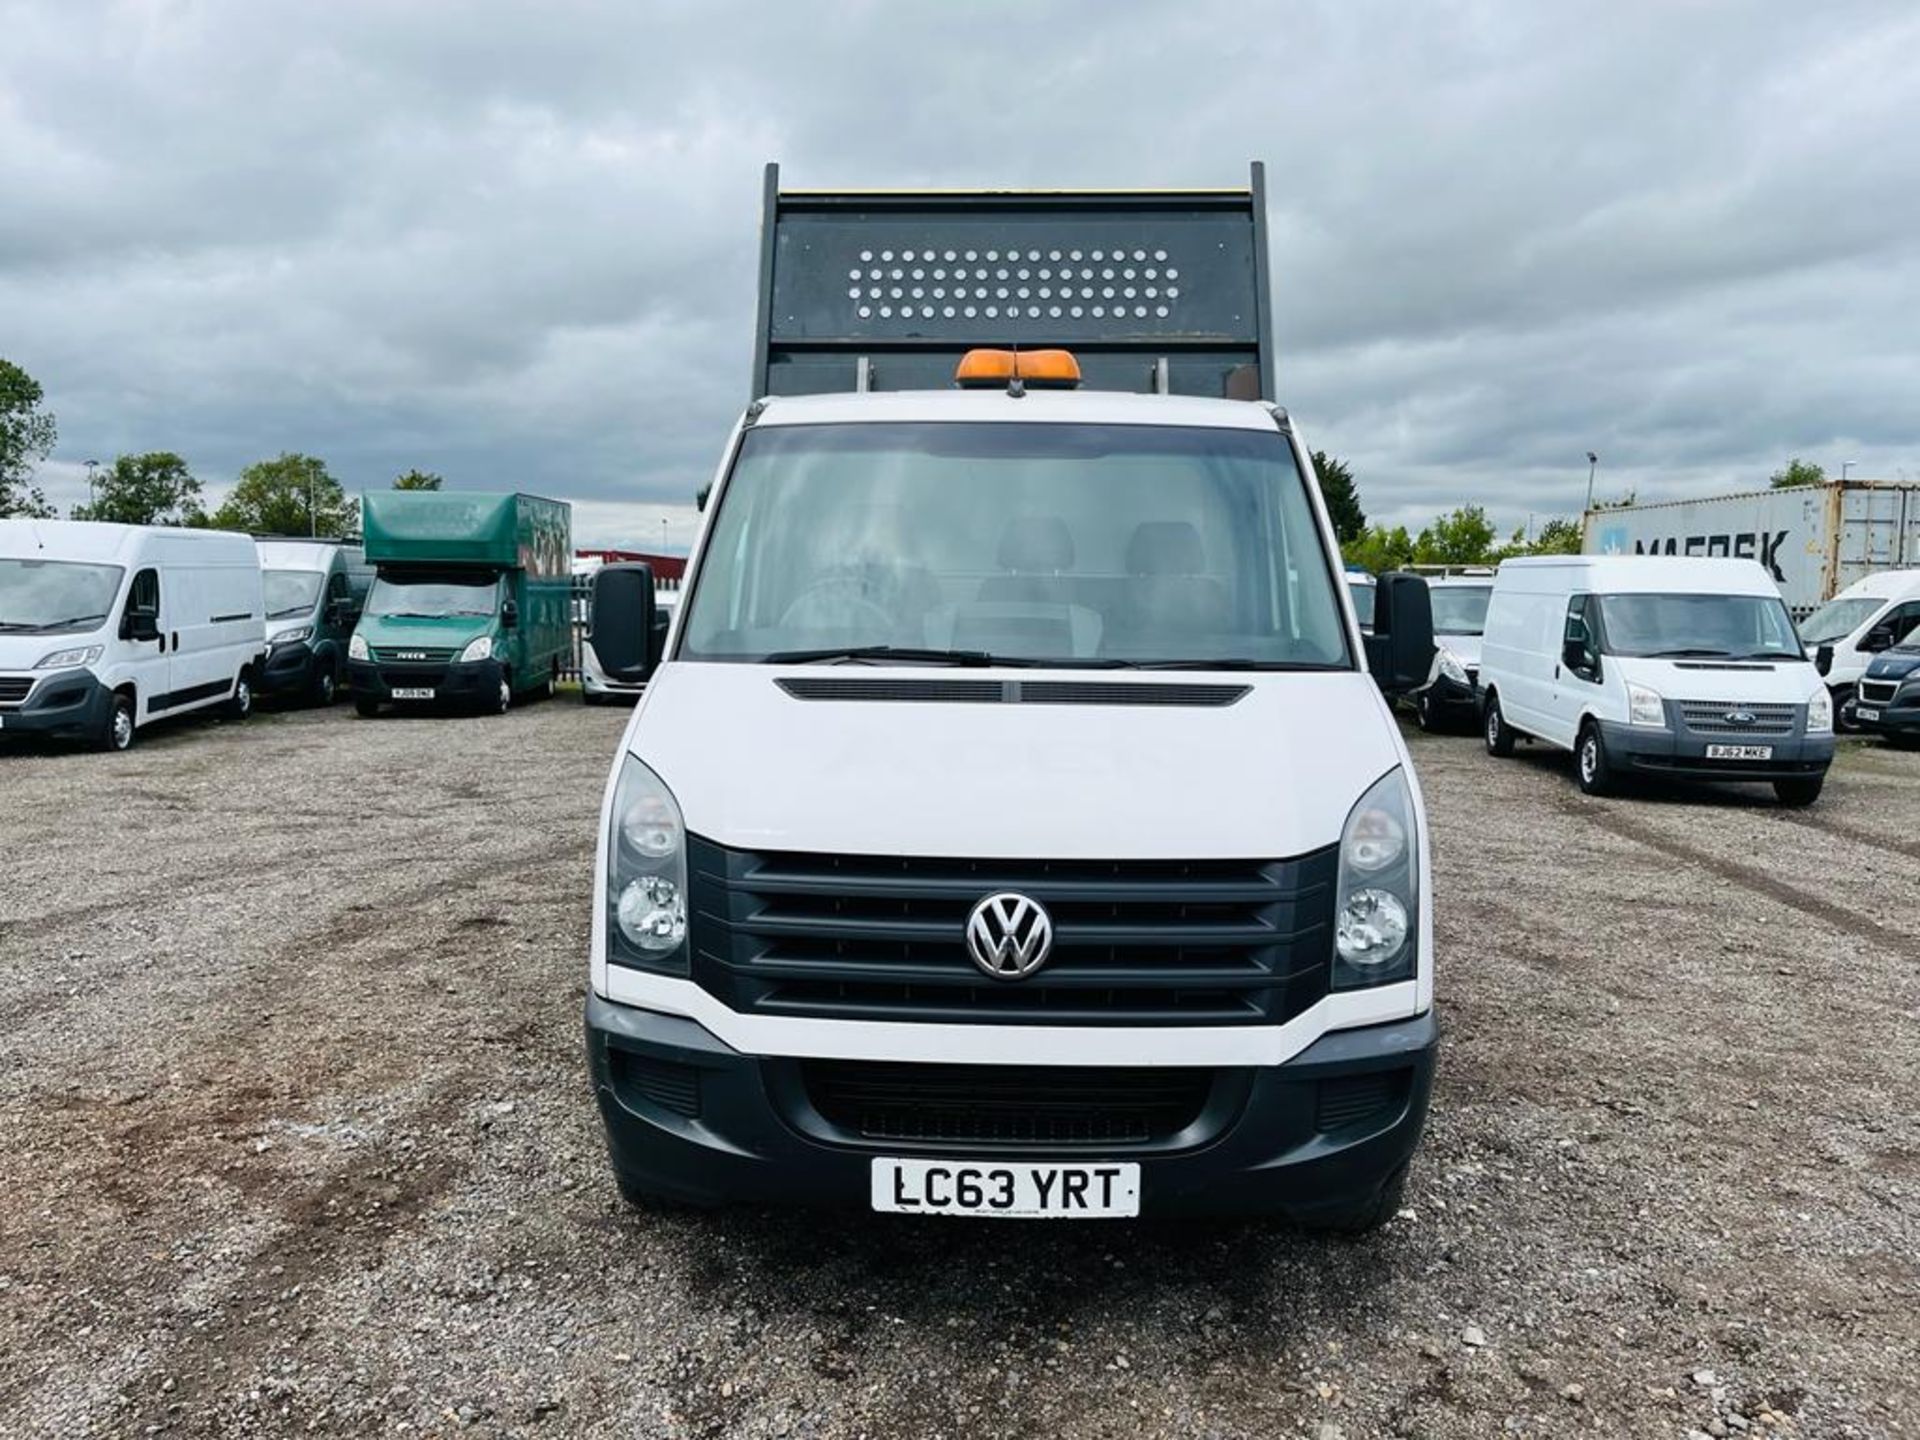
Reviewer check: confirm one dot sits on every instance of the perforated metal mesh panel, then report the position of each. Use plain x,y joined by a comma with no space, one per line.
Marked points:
1151,289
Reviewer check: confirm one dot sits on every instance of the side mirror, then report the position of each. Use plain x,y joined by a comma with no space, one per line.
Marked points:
1823,659
1575,656
1400,649
1877,639
509,615
620,622
141,625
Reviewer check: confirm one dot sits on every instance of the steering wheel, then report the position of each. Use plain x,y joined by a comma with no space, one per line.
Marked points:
836,600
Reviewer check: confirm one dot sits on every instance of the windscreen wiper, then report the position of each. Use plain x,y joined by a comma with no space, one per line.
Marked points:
59,624
908,654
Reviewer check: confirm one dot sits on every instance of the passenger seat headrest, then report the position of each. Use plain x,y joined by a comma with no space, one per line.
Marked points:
1036,545
1165,547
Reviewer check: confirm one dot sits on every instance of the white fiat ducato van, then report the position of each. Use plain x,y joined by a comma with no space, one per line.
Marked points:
1867,618
1679,666
106,628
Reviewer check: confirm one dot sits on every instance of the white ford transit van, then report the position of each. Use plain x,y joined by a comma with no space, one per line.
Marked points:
1010,826
1678,666
105,628
1870,616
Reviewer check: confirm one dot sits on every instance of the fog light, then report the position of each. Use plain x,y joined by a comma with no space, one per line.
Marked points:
653,914
1371,929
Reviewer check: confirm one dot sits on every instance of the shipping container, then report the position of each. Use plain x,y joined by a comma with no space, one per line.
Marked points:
1815,540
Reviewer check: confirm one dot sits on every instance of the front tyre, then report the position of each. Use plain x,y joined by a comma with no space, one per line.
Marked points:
1423,711
1366,1218
325,687
240,706
1799,791
502,695
1590,763
1494,726
116,733
365,706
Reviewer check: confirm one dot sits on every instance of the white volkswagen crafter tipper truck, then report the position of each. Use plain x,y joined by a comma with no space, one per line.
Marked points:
1010,825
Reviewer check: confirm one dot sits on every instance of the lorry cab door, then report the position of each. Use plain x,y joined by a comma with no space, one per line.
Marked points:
146,644
1576,671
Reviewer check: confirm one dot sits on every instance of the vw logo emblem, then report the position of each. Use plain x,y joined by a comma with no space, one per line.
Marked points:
1009,936
1740,717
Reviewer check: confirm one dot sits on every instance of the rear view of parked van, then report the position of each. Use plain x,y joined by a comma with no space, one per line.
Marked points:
314,591
1678,666
105,628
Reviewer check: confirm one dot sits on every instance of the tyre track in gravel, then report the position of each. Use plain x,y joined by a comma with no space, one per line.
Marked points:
1747,877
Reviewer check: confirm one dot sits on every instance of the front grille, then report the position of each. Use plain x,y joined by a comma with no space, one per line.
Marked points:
1135,942
414,654
1709,717
1002,1105
1874,692
14,688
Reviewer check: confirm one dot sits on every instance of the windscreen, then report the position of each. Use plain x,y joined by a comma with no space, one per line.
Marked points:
1728,627
291,592
1838,619
1459,609
49,597
1363,592
1034,543
428,594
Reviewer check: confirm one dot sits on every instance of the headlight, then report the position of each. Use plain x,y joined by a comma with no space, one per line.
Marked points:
482,649
1451,667
291,637
1820,711
646,874
1644,706
1378,896
357,647
79,655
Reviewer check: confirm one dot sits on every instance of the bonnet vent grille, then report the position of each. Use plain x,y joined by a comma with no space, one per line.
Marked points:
1009,692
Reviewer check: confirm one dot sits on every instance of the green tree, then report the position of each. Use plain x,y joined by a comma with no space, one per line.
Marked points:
1557,537
290,495
1379,549
156,488
1798,472
1460,537
417,480
700,496
27,433
1343,499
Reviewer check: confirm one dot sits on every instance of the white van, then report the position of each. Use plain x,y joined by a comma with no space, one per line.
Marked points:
104,628
1869,616
1679,666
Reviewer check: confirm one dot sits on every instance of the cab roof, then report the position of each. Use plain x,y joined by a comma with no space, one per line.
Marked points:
1885,585
102,542
1080,407
1639,574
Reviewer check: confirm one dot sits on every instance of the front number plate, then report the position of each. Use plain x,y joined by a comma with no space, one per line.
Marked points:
1012,1191
412,694
1861,712
1739,752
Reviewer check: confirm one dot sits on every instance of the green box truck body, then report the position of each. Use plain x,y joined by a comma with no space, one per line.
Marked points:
471,600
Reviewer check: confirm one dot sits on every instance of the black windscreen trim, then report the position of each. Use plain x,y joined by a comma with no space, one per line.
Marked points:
1009,692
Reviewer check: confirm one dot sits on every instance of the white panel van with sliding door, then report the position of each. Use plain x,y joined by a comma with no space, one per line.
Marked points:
1679,666
104,628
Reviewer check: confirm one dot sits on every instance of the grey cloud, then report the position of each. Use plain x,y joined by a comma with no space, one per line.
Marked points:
516,244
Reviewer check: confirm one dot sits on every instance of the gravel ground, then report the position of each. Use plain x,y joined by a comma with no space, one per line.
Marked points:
295,1138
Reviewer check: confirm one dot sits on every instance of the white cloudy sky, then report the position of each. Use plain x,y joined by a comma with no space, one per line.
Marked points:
515,243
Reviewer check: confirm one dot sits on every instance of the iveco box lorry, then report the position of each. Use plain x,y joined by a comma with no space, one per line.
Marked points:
106,628
471,598
1010,826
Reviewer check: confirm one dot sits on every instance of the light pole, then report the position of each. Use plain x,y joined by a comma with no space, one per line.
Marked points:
1845,466
1593,463
92,467
663,535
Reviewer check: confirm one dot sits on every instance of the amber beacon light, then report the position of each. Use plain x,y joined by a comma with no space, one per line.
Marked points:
1038,368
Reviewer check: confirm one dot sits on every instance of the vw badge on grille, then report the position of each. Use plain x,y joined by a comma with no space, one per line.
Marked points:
1009,936
1740,717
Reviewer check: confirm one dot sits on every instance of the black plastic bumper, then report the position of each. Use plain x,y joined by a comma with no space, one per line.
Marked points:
690,1118
68,704
1451,700
289,670
1898,716
1684,756
474,682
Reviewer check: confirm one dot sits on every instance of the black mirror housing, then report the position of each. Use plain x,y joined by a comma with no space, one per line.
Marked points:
1400,649
138,625
1823,659
509,615
620,622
